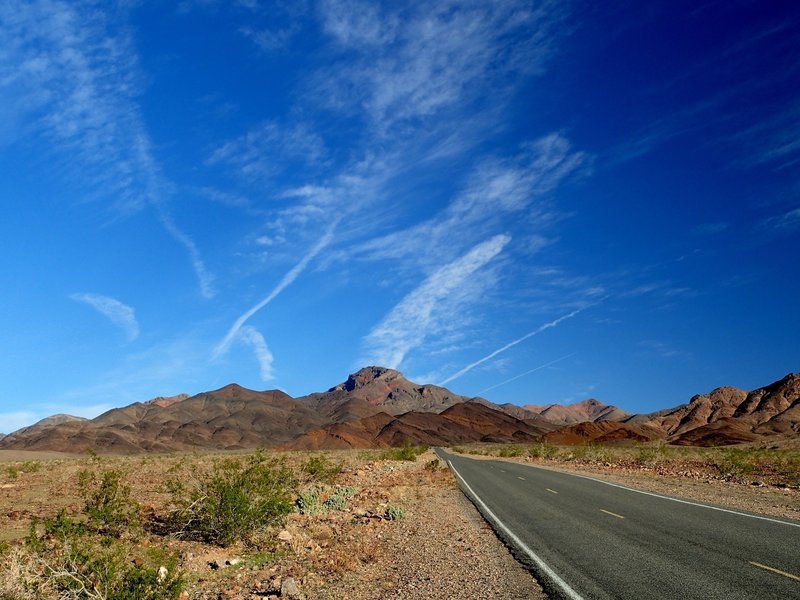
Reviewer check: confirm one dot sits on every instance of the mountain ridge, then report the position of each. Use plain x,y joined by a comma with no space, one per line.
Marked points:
377,406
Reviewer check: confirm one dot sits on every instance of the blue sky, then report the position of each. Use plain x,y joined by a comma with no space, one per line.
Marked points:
534,201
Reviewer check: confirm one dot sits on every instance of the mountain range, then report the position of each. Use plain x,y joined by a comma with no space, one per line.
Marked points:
379,407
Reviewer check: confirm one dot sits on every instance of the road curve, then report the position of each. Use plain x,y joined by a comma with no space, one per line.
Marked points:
588,539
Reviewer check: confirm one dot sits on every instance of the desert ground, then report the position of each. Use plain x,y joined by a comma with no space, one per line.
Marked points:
357,524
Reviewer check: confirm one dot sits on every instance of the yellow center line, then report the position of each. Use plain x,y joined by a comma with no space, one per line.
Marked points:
518,477
551,491
608,512
774,570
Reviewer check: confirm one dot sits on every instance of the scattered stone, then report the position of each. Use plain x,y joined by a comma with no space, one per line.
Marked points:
289,588
233,561
285,536
213,564
162,573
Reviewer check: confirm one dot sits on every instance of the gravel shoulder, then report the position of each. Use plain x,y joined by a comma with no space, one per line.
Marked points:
443,549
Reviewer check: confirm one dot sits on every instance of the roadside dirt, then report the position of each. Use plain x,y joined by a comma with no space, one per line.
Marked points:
436,546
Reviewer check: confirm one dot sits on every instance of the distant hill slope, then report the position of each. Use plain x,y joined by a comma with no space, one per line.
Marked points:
461,423
229,418
578,412
603,432
728,415
378,407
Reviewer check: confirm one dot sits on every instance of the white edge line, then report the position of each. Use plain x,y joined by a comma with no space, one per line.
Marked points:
630,489
519,543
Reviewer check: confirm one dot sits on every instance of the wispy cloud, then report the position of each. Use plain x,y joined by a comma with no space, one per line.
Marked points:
255,340
72,68
788,221
121,315
431,308
225,344
414,63
497,188
528,372
204,277
265,150
660,349
502,349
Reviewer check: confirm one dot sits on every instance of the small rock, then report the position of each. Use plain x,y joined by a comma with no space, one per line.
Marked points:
233,561
285,536
214,565
289,588
162,573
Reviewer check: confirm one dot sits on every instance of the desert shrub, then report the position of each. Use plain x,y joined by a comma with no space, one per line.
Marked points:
510,450
735,462
108,504
404,452
648,455
234,501
394,513
338,500
321,469
69,560
12,472
31,466
318,501
592,453
543,450
309,503
459,449
433,465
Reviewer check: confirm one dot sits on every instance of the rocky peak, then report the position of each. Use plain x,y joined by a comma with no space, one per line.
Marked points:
367,375
165,401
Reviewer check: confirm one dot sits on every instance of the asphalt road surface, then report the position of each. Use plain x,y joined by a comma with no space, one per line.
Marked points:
584,538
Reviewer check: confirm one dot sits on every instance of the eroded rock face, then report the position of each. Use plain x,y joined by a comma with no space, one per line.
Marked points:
728,415
578,412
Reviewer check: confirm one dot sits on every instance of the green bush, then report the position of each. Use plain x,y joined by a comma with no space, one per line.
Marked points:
309,503
735,462
394,513
543,450
321,469
312,503
69,560
433,465
108,505
404,452
511,450
234,501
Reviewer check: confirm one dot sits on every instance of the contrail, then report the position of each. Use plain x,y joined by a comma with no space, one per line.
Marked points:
539,368
225,344
471,366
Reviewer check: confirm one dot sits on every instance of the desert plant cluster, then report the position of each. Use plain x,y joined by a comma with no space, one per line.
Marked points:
105,528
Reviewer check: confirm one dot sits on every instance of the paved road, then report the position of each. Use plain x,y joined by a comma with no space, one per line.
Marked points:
588,539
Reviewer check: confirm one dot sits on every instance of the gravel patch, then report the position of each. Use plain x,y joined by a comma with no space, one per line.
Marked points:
443,549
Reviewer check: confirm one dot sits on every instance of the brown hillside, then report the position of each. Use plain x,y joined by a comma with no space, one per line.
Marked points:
578,412
730,416
376,389
603,432
462,423
229,418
